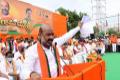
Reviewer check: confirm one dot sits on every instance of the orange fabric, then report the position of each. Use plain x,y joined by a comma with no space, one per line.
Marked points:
113,39
85,71
90,71
59,24
43,61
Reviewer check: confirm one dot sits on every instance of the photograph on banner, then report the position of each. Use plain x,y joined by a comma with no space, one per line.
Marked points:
22,18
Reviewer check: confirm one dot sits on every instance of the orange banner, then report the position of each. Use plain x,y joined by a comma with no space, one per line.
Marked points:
18,17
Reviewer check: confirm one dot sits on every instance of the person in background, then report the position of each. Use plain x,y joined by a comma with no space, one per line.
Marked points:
100,47
66,52
1,44
12,68
76,48
26,43
107,44
118,44
113,40
20,60
3,65
93,45
88,45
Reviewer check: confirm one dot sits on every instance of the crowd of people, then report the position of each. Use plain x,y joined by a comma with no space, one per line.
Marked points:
78,50
11,55
27,58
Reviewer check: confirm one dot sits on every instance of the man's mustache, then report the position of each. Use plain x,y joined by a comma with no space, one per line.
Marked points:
50,40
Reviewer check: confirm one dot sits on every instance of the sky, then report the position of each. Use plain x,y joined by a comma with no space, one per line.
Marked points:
112,6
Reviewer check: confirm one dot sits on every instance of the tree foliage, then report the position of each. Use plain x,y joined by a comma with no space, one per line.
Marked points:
72,17
96,31
112,31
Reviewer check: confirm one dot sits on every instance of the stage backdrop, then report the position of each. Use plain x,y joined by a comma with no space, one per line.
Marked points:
18,17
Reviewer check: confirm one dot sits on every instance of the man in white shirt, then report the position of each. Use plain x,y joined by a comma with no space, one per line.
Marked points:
20,60
47,41
3,66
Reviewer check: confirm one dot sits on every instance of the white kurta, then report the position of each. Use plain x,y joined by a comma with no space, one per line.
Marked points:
33,58
21,66
3,66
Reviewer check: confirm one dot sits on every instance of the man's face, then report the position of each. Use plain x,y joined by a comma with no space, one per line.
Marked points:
29,13
82,43
4,8
47,37
21,49
4,51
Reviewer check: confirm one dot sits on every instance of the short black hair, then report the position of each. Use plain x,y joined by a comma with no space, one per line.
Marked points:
28,9
9,54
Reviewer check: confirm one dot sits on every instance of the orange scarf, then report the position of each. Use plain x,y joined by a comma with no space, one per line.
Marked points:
45,68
